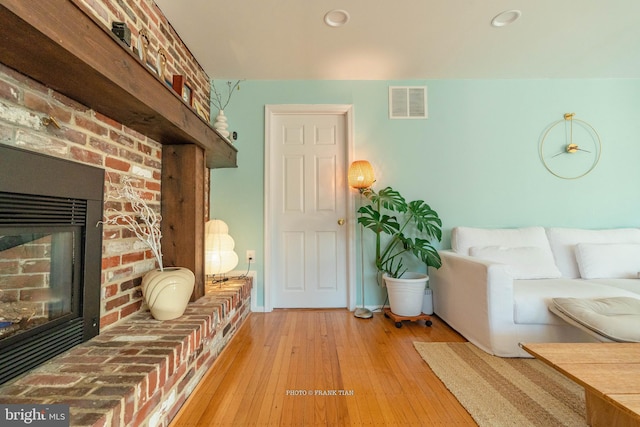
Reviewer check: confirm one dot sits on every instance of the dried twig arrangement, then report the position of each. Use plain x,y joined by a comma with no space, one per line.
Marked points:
217,98
144,222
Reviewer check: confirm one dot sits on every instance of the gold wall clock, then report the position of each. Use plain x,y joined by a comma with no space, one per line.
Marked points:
570,148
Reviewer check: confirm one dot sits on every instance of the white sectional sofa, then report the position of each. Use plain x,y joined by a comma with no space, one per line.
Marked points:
495,285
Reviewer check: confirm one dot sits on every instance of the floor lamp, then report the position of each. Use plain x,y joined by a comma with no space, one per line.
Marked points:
361,177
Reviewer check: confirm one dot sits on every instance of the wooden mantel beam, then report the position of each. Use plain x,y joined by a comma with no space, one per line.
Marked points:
56,43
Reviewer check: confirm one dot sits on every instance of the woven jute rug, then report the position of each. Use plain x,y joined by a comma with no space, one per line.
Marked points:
503,391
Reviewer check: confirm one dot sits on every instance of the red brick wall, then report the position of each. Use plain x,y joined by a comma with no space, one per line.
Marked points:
91,138
86,136
144,14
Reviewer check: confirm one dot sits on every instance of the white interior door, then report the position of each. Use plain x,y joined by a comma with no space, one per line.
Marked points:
307,199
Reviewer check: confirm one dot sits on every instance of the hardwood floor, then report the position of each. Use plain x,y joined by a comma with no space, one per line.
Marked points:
324,368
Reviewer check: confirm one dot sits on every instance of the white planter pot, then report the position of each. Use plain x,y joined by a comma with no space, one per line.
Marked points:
167,292
406,294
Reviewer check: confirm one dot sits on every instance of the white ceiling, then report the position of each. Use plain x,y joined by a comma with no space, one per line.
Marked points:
410,39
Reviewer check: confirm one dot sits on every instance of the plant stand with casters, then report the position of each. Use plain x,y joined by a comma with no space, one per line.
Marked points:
398,319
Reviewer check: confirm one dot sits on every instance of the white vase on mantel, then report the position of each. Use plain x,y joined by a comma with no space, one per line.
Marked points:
221,124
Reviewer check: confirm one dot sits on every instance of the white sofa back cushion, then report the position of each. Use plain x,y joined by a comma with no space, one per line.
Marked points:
564,240
464,238
527,262
608,260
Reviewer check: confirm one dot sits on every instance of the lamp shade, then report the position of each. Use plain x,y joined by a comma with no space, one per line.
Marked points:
219,242
220,262
216,226
219,255
361,174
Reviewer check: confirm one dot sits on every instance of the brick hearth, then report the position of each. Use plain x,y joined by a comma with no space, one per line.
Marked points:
139,372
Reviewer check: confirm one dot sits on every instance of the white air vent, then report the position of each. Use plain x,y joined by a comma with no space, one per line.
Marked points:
407,102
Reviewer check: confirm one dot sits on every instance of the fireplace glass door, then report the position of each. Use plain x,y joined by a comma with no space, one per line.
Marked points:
40,271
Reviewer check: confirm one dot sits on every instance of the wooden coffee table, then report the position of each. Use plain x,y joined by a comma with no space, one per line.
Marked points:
609,373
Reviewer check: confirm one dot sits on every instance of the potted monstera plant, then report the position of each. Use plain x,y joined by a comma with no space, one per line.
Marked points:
402,229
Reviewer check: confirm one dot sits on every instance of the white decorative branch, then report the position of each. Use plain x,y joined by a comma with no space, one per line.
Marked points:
144,222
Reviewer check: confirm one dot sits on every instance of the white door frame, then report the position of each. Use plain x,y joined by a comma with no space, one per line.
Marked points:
269,113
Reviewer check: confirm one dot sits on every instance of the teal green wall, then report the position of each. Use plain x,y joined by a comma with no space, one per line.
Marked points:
474,160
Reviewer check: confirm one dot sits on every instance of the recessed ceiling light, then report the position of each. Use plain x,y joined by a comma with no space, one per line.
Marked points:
336,18
505,18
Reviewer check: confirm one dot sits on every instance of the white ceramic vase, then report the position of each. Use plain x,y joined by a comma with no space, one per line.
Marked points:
406,294
221,124
167,292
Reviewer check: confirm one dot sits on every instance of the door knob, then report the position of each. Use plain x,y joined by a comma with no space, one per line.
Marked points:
341,221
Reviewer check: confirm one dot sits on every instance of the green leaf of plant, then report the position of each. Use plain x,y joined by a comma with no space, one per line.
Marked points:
427,253
393,269
410,220
389,199
425,218
379,223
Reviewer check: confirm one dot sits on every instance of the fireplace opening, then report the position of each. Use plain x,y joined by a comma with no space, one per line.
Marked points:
40,278
50,257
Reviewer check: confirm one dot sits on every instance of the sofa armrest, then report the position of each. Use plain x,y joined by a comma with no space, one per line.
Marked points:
475,297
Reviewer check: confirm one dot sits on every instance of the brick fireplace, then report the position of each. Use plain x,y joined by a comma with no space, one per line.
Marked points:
37,118
137,371
88,137
130,374
50,256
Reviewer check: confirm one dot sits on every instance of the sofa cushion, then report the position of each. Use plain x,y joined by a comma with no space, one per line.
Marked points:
632,285
527,262
564,240
464,238
615,319
608,260
532,297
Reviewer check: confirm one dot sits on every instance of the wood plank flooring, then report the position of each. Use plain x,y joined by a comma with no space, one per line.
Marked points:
324,368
